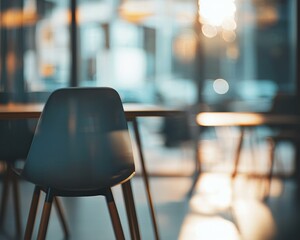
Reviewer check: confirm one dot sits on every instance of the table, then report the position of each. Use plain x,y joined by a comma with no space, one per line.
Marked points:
242,120
245,119
132,111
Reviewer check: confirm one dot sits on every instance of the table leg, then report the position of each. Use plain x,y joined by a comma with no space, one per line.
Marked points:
145,176
238,153
197,172
297,167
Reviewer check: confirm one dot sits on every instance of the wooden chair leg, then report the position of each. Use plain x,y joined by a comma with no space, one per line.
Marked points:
32,213
197,171
5,189
271,164
45,215
145,177
61,216
16,197
238,154
115,219
130,209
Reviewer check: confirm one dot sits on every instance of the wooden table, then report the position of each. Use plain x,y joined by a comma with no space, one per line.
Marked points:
245,119
12,111
132,112
242,120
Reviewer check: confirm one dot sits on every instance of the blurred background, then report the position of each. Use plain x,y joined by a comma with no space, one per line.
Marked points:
218,55
230,55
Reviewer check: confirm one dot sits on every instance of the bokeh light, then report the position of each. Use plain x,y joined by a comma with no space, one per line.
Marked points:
232,52
185,45
215,16
228,36
209,31
221,86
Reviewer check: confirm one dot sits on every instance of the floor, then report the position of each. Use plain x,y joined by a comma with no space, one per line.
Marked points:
217,210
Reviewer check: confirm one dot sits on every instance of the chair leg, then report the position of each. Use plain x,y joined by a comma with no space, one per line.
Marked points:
197,171
15,184
238,154
5,189
32,213
130,209
271,163
115,219
145,177
45,215
61,216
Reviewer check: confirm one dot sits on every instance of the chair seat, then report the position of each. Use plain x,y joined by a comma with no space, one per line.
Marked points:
83,192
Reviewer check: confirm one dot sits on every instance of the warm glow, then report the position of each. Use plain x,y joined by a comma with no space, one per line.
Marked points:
215,14
276,188
47,70
267,15
203,227
253,209
136,11
228,36
209,203
229,24
185,46
209,31
17,18
214,194
229,119
232,52
11,62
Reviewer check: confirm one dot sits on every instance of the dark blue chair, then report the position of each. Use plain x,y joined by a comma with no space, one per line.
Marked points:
81,147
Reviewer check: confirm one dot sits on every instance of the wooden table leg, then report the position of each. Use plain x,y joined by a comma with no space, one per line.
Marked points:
197,172
145,176
297,167
238,153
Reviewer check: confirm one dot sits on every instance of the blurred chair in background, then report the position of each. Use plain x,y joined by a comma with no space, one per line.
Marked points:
284,104
15,140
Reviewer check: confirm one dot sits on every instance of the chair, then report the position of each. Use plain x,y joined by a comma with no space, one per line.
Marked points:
288,105
15,141
81,147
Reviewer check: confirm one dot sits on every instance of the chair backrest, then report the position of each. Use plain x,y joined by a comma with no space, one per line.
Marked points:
81,141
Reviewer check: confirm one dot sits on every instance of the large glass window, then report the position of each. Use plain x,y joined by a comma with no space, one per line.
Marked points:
230,54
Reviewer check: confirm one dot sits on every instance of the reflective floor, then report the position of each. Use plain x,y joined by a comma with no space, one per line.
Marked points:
211,213
217,210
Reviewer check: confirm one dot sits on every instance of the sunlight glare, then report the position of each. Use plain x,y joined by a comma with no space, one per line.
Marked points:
216,15
215,12
200,227
264,226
